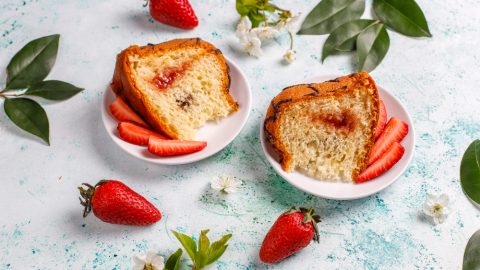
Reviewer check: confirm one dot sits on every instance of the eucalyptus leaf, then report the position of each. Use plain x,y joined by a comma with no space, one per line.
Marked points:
471,257
29,116
53,90
187,243
372,46
174,260
470,171
330,14
403,16
344,37
32,63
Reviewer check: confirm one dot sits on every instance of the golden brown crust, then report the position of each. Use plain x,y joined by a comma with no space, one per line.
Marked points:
124,85
304,92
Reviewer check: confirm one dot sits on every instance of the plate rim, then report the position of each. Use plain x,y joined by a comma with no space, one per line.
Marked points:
281,173
166,161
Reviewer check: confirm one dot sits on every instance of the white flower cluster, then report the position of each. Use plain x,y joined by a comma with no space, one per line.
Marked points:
251,38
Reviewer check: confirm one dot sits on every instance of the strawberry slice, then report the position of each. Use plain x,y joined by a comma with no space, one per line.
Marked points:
166,148
382,120
383,164
123,112
395,131
136,134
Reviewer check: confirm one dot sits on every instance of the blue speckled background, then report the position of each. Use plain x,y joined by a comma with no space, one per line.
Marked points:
41,226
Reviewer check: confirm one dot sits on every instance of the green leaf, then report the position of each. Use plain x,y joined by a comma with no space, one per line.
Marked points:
403,16
29,116
32,63
245,6
471,257
217,249
53,90
256,18
372,46
344,37
215,255
470,171
330,14
188,244
174,260
203,242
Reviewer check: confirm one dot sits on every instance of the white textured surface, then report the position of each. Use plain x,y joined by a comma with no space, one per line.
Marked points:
41,225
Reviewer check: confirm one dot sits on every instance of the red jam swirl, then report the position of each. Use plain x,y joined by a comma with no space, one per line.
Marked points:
345,121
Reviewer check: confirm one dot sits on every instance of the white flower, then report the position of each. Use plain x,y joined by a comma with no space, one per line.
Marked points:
289,56
150,261
437,207
243,27
252,44
291,24
225,183
265,32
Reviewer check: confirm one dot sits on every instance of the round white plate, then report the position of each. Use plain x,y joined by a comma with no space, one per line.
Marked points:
216,134
349,191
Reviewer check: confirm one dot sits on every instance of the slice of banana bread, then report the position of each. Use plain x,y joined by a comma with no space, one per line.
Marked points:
176,86
326,130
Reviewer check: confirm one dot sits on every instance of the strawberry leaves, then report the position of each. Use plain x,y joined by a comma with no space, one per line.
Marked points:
471,257
403,16
29,116
369,38
330,14
207,253
173,262
372,46
470,172
25,74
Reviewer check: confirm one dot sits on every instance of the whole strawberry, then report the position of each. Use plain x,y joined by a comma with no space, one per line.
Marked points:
114,202
292,231
178,13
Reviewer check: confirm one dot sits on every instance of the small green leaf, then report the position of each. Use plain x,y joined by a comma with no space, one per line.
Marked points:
372,46
330,14
188,244
344,37
29,116
470,171
403,16
215,255
256,18
174,260
32,63
471,257
53,90
217,249
203,242
245,6
200,260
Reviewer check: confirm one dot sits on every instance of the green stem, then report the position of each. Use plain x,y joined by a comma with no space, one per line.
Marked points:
291,40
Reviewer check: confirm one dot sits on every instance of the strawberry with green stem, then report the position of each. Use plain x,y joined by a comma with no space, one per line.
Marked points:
114,202
292,232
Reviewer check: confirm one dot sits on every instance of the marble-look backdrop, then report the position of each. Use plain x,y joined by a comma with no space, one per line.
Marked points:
41,224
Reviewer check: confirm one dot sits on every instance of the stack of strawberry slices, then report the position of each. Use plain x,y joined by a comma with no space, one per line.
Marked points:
133,129
387,150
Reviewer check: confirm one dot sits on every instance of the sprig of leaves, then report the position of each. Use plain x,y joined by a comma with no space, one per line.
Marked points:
260,11
471,257
206,253
25,77
341,19
470,172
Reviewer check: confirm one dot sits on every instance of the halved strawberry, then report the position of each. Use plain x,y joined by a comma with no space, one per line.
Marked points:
136,134
382,120
123,112
383,164
165,148
395,131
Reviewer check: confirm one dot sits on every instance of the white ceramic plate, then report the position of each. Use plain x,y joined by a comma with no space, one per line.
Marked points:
216,134
348,191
